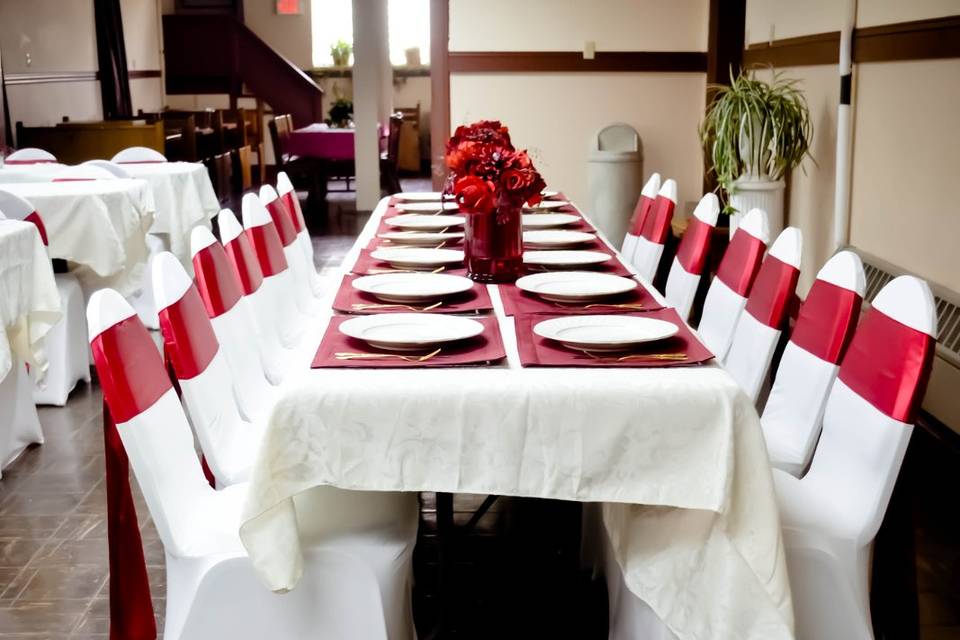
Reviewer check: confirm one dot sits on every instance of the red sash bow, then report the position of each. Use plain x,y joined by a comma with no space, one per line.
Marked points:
773,292
188,337
695,245
268,249
217,283
827,320
740,262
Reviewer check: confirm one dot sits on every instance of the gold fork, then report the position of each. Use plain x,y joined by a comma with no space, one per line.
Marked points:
366,306
385,270
636,306
346,355
674,357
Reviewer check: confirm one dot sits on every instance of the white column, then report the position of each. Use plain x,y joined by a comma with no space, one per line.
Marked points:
372,78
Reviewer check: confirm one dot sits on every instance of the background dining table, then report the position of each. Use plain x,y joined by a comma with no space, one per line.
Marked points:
319,140
675,455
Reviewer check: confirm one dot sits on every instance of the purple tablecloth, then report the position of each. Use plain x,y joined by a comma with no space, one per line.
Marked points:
317,142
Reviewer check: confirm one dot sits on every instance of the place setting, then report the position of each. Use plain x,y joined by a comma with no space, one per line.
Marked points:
409,259
559,239
657,338
409,291
539,261
420,196
575,292
405,340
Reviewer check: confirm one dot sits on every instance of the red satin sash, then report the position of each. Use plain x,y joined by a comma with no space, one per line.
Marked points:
143,162
695,245
888,365
216,281
827,320
72,179
188,336
281,220
293,208
38,221
245,264
268,249
773,292
740,262
38,161
657,223
640,213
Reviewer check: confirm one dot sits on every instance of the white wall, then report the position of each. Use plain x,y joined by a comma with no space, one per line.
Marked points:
289,35
143,42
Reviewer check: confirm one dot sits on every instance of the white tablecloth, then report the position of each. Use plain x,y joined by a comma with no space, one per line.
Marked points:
678,453
29,301
40,172
99,225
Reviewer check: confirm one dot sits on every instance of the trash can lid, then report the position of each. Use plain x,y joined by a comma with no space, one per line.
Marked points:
617,143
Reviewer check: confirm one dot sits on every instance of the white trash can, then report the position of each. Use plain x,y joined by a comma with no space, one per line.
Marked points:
614,178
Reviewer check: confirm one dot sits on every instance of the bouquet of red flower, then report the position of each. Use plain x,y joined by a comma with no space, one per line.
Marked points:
486,171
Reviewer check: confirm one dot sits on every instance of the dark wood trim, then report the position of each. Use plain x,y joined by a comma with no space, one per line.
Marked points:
573,61
439,88
143,73
818,48
6,132
917,40
725,38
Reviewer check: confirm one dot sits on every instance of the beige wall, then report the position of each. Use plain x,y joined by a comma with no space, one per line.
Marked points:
871,13
289,35
143,41
777,19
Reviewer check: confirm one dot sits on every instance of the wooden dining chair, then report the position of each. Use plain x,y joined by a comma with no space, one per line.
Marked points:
309,172
390,158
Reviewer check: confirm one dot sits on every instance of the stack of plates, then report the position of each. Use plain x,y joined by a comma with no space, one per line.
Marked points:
414,258
575,286
604,333
422,238
412,288
410,331
546,204
424,223
555,239
564,259
547,193
427,207
547,220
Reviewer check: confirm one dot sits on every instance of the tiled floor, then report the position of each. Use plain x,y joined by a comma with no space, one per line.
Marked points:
516,575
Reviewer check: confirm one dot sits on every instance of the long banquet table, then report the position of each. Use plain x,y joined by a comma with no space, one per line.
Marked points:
675,454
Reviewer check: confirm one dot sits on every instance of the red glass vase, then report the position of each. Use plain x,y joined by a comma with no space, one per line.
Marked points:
493,244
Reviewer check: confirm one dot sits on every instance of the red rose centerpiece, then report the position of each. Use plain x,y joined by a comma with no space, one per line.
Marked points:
491,181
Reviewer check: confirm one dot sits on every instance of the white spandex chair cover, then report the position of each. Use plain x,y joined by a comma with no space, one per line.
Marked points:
255,365
66,342
19,422
767,311
684,277
656,227
30,155
351,583
279,284
305,274
289,196
112,167
229,442
137,155
831,515
727,295
83,172
647,196
828,316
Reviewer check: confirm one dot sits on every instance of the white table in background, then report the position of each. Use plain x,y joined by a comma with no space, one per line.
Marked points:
39,172
676,455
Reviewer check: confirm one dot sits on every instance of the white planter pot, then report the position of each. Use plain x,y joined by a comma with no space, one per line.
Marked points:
758,194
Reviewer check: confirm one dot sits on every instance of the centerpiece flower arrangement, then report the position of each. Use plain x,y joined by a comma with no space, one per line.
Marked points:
491,180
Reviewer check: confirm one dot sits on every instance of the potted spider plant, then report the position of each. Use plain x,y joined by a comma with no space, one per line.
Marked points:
754,133
340,52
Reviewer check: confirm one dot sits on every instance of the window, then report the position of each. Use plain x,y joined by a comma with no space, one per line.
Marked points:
408,25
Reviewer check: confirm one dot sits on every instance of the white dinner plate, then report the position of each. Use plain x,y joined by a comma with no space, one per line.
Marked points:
410,331
547,193
604,333
565,259
419,258
407,288
422,196
555,238
547,220
547,204
421,222
421,238
426,207
575,286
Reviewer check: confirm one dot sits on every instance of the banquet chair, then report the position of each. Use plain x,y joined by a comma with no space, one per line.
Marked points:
66,344
212,590
269,315
138,155
115,169
831,516
647,196
653,236
305,274
729,289
254,358
83,172
767,310
827,319
289,196
19,421
30,155
691,259
203,372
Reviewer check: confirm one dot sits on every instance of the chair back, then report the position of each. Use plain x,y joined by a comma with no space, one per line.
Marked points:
767,310
280,129
30,155
82,173
870,412
825,324
691,259
138,155
289,196
199,364
15,207
653,235
727,295
393,138
282,218
111,167
149,419
647,196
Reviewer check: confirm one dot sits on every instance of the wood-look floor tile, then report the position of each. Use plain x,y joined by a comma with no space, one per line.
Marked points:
64,583
57,618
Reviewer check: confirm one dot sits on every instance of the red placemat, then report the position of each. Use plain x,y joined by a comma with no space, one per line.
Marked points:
517,302
613,267
366,264
477,300
541,352
487,348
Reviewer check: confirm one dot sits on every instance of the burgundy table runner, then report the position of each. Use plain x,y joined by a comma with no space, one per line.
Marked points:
486,348
366,264
517,302
477,300
541,352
